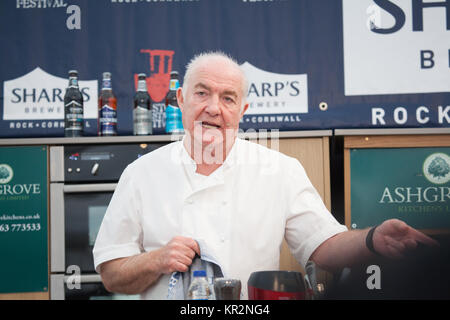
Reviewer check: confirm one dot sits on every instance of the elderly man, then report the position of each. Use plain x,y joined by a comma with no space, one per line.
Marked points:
215,187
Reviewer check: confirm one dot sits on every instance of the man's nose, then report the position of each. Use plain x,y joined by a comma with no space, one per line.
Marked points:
213,106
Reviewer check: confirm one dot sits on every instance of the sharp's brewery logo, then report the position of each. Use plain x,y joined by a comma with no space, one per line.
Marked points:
39,95
160,62
275,97
431,195
398,47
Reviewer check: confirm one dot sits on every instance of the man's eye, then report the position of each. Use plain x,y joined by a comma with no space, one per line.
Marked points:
200,93
229,100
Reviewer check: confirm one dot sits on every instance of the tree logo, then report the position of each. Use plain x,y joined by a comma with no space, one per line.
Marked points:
436,168
6,173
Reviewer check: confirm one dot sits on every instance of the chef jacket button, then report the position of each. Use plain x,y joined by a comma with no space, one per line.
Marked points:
190,201
222,239
224,202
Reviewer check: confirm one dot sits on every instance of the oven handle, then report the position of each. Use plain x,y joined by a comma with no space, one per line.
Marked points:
86,278
98,187
58,281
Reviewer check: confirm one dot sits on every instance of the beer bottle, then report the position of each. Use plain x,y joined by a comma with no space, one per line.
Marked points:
142,111
73,107
107,108
173,112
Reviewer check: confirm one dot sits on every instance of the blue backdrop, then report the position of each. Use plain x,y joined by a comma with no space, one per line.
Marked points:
287,37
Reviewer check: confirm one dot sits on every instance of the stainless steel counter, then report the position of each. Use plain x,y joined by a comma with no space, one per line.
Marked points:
251,134
397,131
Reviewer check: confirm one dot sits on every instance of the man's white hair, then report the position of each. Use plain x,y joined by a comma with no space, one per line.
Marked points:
211,55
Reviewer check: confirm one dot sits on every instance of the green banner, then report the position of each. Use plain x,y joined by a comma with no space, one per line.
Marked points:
23,219
411,184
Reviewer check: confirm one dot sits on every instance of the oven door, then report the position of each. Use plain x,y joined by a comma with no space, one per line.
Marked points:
85,206
77,213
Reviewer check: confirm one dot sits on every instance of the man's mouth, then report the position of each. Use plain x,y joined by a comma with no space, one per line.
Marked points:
209,125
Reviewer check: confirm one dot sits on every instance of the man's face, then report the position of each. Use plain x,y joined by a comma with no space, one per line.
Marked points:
211,106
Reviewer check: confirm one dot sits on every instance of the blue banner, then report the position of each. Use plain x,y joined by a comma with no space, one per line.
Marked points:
319,64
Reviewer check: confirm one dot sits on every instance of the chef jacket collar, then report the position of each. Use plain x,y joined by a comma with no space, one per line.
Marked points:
191,167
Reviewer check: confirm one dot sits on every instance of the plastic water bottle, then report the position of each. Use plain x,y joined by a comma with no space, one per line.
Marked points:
199,288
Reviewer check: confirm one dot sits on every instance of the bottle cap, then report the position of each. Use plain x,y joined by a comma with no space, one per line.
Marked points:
106,75
142,75
73,72
200,273
174,73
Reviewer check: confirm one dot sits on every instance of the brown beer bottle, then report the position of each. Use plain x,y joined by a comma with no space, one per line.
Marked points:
107,108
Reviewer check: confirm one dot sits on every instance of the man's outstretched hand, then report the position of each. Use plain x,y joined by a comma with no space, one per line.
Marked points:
394,238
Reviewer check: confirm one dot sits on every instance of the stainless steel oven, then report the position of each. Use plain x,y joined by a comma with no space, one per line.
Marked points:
82,181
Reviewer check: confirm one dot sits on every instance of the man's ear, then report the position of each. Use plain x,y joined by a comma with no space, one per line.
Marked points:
180,98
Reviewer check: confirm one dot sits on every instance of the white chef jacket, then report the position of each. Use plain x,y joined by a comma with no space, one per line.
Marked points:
242,210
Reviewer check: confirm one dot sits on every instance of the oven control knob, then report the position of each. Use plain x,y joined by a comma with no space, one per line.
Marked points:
94,169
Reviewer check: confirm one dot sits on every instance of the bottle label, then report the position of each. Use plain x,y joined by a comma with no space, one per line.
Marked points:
73,116
73,82
173,120
106,84
174,84
142,85
108,120
199,290
142,121
198,297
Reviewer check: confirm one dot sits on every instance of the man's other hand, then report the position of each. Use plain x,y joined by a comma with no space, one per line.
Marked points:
394,238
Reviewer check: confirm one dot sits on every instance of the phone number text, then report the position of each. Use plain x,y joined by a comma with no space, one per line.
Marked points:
20,227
